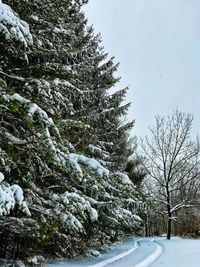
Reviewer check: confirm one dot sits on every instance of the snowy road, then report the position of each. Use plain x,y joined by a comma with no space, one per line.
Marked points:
144,252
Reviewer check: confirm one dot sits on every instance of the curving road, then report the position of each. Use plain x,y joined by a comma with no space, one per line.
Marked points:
132,253
144,252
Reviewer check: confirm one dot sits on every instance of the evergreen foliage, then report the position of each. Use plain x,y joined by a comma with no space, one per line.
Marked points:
62,140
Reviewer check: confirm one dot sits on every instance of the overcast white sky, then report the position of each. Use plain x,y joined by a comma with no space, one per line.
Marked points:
157,43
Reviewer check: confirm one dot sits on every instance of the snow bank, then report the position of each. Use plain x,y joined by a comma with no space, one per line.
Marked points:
179,252
13,27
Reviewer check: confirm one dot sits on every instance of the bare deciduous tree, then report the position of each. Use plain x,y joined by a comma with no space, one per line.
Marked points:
172,162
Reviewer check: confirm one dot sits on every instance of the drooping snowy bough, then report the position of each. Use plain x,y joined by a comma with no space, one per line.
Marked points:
13,27
11,197
75,160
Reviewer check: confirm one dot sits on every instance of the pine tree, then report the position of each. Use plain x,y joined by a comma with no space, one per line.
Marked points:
60,132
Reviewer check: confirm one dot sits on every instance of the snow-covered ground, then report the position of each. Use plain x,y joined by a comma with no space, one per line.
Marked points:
144,252
179,253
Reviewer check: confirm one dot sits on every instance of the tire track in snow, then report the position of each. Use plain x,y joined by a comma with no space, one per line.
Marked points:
117,257
144,263
152,257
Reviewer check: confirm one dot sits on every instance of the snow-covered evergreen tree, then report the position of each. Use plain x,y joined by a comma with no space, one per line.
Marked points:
62,140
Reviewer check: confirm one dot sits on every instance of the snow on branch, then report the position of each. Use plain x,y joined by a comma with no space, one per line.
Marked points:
13,140
73,209
64,83
61,30
32,109
75,160
180,206
125,180
10,198
13,27
81,203
126,217
59,151
71,221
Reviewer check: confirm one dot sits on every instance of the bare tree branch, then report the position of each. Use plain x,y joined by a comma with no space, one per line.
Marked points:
172,161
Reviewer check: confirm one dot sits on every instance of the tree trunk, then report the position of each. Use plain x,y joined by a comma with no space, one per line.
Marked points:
169,225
